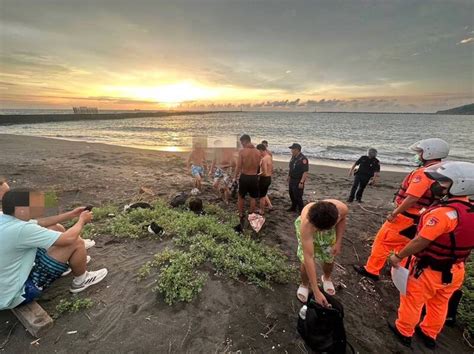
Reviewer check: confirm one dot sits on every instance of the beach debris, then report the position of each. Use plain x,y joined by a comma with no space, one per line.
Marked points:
155,229
196,206
256,221
142,205
145,190
35,342
179,200
5,342
239,229
71,332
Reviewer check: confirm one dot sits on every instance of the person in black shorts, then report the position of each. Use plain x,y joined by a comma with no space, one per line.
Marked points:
369,168
247,166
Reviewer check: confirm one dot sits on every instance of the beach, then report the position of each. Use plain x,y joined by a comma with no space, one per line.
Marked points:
227,315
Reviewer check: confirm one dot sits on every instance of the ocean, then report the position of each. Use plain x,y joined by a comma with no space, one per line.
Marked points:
329,138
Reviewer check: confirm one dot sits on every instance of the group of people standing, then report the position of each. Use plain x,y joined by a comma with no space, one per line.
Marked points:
430,231
247,171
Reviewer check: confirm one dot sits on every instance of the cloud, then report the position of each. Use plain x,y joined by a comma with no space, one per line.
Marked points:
467,40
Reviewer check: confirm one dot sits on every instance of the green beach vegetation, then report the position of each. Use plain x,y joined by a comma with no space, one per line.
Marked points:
198,242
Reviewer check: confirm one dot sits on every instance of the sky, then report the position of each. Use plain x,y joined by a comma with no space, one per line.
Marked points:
357,55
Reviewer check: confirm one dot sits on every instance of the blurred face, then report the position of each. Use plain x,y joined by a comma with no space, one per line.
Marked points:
35,210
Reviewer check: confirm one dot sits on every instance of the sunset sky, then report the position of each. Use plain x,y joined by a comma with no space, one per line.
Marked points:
385,55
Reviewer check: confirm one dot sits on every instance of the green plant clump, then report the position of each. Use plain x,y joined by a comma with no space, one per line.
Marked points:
73,305
201,239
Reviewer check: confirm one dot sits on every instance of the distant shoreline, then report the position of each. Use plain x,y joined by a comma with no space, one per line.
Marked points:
12,119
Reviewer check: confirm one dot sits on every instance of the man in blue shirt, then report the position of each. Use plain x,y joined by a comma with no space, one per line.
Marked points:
32,256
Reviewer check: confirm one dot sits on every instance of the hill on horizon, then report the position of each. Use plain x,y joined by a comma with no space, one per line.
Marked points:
466,109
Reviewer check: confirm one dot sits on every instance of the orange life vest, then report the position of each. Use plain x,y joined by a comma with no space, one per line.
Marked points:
426,199
454,247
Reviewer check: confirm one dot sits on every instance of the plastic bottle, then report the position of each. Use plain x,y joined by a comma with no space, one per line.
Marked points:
303,312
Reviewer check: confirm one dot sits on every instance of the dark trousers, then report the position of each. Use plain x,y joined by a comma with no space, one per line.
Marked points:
360,182
296,195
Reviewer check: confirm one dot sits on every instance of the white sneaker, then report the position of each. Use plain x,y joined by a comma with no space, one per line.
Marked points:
69,270
91,279
89,243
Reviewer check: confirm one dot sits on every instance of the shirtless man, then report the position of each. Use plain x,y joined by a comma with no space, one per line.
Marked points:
265,177
197,163
220,167
319,231
247,166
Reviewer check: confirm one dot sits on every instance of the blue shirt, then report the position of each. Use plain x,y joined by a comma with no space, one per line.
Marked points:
19,241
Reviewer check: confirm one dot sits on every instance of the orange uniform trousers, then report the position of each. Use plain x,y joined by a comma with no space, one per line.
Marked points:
428,290
388,239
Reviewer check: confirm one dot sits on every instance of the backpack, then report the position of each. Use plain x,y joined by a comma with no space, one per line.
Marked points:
195,205
179,200
323,328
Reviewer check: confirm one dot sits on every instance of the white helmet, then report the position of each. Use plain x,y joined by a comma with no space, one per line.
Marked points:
461,174
431,149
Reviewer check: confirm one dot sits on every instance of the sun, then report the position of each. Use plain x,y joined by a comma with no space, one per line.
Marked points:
170,94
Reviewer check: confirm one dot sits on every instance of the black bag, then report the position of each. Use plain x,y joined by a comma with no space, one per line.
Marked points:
179,200
195,205
323,328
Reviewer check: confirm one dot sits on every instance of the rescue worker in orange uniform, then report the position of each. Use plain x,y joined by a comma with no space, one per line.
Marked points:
444,240
412,198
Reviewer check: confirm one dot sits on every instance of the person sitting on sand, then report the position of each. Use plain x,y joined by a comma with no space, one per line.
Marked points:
319,231
247,166
265,178
32,257
220,167
49,223
197,164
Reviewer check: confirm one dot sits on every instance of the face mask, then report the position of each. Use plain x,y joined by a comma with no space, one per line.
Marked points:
437,190
417,159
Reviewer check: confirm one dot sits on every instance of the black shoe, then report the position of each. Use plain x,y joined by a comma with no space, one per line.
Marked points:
406,341
429,342
350,200
291,209
359,201
361,270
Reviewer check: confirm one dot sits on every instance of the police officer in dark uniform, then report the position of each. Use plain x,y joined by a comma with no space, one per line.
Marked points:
299,166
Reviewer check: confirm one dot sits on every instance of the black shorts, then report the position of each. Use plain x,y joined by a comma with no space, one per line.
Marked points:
263,185
248,184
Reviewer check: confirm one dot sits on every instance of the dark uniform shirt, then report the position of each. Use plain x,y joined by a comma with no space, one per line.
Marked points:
367,166
298,166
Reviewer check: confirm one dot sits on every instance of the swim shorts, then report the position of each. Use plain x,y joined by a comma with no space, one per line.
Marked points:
44,272
197,170
323,242
263,185
248,184
221,176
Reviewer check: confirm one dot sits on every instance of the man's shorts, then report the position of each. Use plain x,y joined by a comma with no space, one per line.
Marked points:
197,171
44,272
323,242
263,185
220,176
248,184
